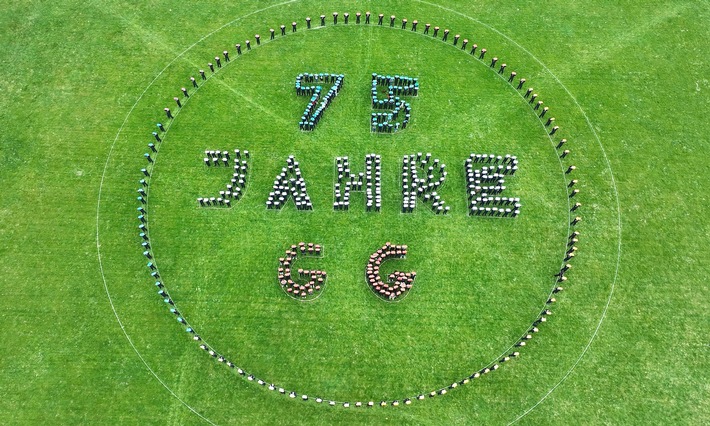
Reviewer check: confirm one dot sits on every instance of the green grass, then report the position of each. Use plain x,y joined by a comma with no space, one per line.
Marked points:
73,74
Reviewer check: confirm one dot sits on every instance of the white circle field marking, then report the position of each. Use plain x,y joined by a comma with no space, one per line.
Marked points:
101,267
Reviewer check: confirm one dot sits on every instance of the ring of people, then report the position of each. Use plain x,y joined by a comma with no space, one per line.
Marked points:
421,177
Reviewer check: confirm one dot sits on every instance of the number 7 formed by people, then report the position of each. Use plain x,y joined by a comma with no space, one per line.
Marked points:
318,102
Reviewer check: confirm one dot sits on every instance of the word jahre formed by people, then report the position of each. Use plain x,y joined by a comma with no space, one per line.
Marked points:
421,177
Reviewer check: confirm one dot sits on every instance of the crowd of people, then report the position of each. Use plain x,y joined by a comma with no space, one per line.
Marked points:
414,186
348,182
235,187
387,122
310,85
484,183
308,283
289,184
398,283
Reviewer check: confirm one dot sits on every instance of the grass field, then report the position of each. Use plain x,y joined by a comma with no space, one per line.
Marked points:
88,340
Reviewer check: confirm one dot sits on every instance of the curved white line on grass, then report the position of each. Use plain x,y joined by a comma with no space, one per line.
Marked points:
613,184
101,185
